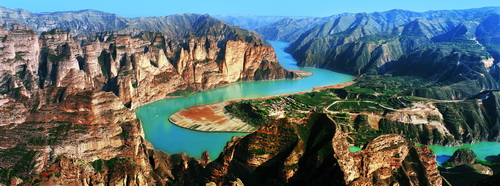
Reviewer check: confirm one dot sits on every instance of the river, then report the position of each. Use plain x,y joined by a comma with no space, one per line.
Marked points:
173,139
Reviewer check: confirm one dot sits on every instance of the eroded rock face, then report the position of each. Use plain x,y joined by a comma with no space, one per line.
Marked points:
137,69
320,155
19,60
67,104
388,159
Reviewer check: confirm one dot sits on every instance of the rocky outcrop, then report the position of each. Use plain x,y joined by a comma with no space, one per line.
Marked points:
85,137
464,169
19,59
84,127
463,156
386,156
60,55
319,154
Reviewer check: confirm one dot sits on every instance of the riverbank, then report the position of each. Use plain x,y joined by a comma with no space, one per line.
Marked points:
334,86
210,118
213,117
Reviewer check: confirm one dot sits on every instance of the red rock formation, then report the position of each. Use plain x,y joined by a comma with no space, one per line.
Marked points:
272,155
60,119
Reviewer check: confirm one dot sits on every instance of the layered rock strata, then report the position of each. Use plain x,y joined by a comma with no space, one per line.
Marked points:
316,152
67,105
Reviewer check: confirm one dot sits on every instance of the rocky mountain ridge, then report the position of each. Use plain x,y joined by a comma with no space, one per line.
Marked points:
288,29
446,47
92,22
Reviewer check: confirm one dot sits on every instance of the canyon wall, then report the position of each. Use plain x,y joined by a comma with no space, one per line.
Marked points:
68,100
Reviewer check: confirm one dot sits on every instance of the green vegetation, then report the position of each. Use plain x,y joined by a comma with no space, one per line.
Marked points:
250,112
54,135
357,107
464,44
319,99
101,60
262,73
259,151
19,55
124,135
292,166
341,117
487,163
380,38
360,110
388,84
448,164
434,118
101,165
260,112
126,72
183,92
482,162
56,58
23,159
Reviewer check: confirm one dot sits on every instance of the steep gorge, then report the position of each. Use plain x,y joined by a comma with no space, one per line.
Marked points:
67,110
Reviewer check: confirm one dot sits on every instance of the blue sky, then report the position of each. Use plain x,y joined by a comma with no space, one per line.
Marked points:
145,8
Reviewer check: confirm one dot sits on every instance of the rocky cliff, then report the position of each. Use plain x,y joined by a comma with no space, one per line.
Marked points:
86,138
67,100
140,68
315,151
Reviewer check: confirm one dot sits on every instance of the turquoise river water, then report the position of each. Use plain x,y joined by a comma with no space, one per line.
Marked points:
173,139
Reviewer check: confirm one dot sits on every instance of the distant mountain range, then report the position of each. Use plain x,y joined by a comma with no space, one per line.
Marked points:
459,48
92,21
289,28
